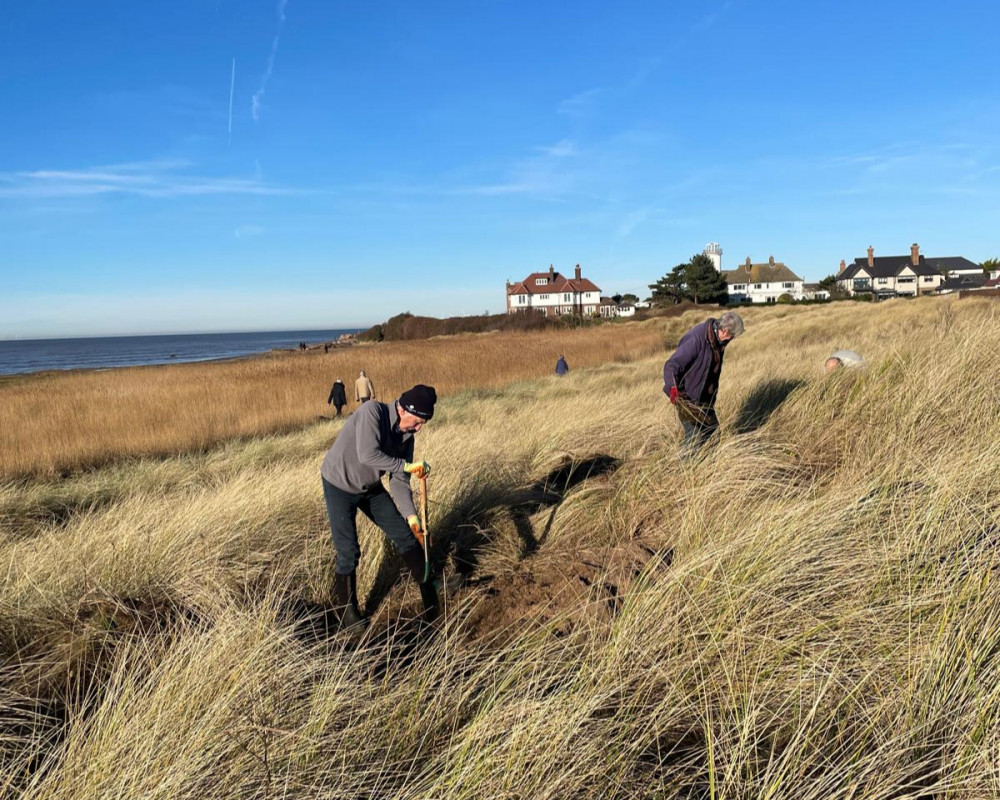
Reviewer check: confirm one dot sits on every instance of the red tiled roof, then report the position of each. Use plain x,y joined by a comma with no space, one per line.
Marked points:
559,283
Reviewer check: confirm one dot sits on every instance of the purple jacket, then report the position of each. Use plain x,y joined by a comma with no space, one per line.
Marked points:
695,365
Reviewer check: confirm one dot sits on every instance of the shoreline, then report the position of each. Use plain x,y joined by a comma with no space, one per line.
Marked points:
8,377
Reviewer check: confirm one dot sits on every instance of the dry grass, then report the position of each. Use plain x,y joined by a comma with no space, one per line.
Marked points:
57,421
808,610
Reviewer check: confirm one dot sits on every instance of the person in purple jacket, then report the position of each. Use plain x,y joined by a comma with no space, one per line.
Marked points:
691,376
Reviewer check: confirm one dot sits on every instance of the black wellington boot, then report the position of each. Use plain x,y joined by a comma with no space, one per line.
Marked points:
345,596
414,560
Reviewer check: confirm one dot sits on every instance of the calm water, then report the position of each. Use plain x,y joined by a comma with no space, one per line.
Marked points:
33,355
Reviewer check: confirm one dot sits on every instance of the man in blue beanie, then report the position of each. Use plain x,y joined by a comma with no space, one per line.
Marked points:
377,440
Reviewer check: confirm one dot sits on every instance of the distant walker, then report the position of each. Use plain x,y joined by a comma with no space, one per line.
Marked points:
561,366
363,389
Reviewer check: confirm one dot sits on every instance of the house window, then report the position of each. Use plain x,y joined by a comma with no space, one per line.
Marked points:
543,297
520,299
883,280
905,280
758,286
928,278
565,298
541,281
788,286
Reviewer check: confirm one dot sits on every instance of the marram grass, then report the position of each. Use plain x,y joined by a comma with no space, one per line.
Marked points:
808,610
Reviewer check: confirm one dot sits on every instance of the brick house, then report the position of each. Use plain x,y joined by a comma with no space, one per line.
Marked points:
554,294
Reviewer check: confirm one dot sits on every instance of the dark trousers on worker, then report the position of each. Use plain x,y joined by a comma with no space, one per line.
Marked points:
376,504
697,432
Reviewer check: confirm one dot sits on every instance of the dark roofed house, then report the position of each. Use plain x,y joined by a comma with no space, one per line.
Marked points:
900,276
964,283
761,283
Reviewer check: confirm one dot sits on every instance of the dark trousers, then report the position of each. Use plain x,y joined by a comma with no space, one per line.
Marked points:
697,434
338,407
342,508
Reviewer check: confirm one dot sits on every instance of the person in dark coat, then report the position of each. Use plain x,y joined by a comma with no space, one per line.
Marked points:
691,376
561,366
338,396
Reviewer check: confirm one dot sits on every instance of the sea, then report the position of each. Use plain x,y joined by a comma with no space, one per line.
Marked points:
18,356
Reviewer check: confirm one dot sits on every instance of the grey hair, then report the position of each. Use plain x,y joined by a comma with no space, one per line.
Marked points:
732,322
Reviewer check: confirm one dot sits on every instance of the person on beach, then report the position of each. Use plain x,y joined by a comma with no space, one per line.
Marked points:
844,358
691,376
561,366
363,389
338,396
377,440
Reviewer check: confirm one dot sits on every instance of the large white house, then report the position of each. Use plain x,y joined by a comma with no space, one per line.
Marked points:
761,283
553,294
901,276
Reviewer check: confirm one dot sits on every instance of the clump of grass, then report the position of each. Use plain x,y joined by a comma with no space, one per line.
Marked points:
806,610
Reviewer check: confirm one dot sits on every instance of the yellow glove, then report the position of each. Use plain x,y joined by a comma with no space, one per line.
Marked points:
419,468
414,524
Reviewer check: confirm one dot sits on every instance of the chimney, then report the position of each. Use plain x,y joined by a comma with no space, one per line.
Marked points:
552,273
770,261
843,266
871,256
915,254
578,272
748,262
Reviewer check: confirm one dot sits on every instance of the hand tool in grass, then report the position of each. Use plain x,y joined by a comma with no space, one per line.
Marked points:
423,525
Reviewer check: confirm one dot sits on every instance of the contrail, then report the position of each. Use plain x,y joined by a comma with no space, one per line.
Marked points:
259,94
232,86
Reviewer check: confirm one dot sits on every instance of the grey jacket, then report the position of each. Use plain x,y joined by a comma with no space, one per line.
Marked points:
369,445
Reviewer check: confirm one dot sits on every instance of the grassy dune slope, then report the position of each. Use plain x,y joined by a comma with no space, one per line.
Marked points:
809,611
64,421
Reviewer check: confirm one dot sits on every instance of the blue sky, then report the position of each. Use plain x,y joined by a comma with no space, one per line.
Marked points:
382,157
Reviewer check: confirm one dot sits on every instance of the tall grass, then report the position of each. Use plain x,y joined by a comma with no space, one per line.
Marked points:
808,609
57,422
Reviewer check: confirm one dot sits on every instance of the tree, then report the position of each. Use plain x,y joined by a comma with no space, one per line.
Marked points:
990,264
829,283
785,298
670,288
704,282
629,299
617,298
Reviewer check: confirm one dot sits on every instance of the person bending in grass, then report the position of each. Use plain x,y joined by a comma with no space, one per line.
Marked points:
377,440
691,376
844,358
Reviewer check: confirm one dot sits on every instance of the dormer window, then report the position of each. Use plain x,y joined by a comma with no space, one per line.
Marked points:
541,281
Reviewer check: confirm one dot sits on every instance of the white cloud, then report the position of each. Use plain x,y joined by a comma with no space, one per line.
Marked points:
147,179
562,149
580,104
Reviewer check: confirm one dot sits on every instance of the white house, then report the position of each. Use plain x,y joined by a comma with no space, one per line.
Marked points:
901,276
553,294
609,308
811,291
762,283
